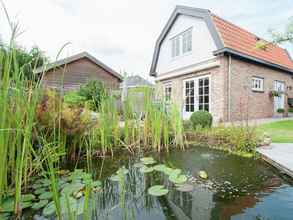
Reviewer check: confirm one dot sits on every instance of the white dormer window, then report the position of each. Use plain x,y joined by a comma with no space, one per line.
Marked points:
176,46
182,43
187,41
257,84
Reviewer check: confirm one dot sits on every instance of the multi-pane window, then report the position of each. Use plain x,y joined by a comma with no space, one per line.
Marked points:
204,94
182,43
176,46
187,41
168,92
257,84
189,96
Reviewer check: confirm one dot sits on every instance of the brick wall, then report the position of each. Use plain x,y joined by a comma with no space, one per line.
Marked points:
77,73
246,103
217,83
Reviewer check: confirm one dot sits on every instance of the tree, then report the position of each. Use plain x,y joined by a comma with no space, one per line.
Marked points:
27,61
279,37
286,36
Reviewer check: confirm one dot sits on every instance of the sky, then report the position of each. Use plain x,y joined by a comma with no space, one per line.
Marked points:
122,33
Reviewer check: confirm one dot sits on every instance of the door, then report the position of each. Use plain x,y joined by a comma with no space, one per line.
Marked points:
279,101
196,95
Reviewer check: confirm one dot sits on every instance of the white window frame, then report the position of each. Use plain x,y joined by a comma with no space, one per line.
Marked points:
176,46
186,115
187,41
257,84
181,44
168,92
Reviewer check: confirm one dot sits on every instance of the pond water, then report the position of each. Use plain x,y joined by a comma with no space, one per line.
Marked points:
236,188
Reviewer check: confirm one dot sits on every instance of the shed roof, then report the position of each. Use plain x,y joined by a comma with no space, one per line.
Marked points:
73,58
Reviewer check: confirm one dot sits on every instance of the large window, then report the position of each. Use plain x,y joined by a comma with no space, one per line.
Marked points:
189,96
182,43
168,92
204,94
257,84
197,94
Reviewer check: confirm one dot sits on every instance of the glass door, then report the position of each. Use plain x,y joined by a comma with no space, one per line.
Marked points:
196,94
279,101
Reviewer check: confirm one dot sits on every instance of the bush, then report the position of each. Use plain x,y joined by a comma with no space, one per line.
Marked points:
280,110
94,91
290,110
241,140
74,99
201,119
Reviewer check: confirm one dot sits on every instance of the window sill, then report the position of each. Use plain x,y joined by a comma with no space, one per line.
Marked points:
257,91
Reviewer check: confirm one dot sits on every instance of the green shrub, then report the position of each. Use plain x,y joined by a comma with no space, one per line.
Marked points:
241,140
201,119
93,91
290,110
280,110
74,99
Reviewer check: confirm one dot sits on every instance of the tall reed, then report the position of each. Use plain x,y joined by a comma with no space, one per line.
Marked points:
18,100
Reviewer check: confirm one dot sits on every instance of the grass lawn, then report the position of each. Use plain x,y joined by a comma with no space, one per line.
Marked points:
280,131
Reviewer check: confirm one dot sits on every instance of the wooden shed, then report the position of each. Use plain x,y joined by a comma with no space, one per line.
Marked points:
72,72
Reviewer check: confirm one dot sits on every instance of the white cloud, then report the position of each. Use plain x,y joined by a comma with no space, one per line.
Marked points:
122,33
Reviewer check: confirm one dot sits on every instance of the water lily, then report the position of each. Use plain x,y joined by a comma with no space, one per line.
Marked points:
158,190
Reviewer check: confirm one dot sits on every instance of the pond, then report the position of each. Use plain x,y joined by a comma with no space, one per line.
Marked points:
236,188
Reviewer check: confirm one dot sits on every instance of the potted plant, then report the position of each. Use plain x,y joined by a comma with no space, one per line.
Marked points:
274,93
280,113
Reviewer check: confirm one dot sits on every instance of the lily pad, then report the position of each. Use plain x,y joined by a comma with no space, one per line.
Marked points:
185,188
27,197
71,188
39,205
40,191
72,204
46,182
37,185
50,209
8,205
168,171
146,169
176,172
46,195
177,179
158,190
160,167
114,178
147,160
202,174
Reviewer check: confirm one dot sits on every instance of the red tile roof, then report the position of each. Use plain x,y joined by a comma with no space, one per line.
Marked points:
240,40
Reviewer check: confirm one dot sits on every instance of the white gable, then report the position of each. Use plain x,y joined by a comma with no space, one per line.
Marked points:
203,45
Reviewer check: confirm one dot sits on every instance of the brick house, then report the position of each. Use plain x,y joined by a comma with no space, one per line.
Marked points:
72,72
203,62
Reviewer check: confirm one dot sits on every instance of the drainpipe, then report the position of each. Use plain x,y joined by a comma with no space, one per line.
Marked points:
229,87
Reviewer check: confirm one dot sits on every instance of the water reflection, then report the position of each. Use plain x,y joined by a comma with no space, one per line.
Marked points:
237,188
